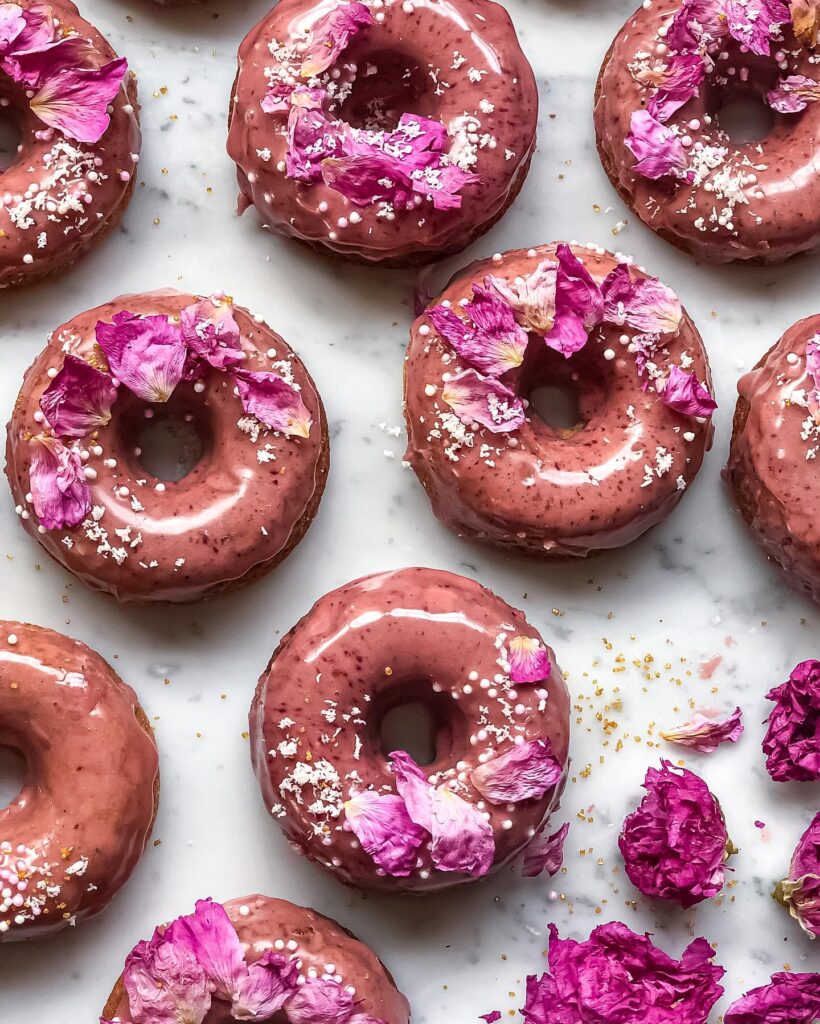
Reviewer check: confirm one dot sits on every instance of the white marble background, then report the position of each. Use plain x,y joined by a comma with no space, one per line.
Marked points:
695,589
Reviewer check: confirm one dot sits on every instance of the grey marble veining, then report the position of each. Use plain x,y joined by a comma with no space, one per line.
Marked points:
636,630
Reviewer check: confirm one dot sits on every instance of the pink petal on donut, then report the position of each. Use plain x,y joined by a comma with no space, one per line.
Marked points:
414,789
165,983
331,34
211,938
37,65
568,334
575,290
462,837
311,137
684,393
793,94
532,299
643,303
60,494
680,82
477,399
658,152
545,853
264,987
273,401
320,1001
493,342
367,179
754,22
78,399
813,366
490,1018
12,24
697,24
75,101
146,353
442,184
529,661
382,825
210,331
524,772
707,730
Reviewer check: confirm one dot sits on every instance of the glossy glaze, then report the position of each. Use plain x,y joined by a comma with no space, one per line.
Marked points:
76,831
413,635
53,225
230,518
773,462
503,103
779,212
547,491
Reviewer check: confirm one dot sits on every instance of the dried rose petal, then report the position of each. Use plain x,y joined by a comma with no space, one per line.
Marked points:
491,1017
684,393
754,24
210,331
414,788
263,988
320,1001
33,67
800,891
680,82
523,772
792,740
491,340
331,34
545,853
658,151
12,24
793,94
384,828
528,659
60,494
462,837
274,402
806,21
644,303
311,137
707,730
787,999
165,983
78,399
697,23
576,293
146,353
532,299
75,101
484,400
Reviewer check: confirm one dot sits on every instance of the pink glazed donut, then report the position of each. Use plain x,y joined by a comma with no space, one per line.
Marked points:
499,711
385,132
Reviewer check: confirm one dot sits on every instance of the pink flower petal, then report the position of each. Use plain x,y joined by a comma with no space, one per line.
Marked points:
707,730
212,940
545,853
800,891
264,987
754,22
491,1018
39,30
793,94
462,838
491,340
414,789
311,137
274,402
384,828
146,353
684,393
478,399
524,772
12,24
643,303
320,1001
658,152
75,102
442,184
210,331
60,494
575,290
697,24
331,34
165,983
568,334
792,740
813,366
529,661
532,299
78,399
43,62
680,82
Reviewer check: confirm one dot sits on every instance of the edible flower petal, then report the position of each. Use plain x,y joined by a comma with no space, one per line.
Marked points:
442,184
575,290
320,1001
60,494
12,24
210,331
75,100
805,16
311,137
793,94
165,983
331,34
146,353
414,788
478,399
792,740
524,772
545,853
684,393
274,402
264,987
658,151
39,29
532,298
753,22
800,892
492,341
382,825
707,730
528,659
787,999
643,303
462,837
681,80
697,24
78,399
34,66
492,1017
212,940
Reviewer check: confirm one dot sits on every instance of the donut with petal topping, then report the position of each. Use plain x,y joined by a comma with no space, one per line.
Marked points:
384,133
773,459
598,329
73,836
75,104
250,428
254,959
498,714
664,127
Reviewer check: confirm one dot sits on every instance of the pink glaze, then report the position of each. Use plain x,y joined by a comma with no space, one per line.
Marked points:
242,507
46,223
767,193
412,635
544,490
457,63
773,466
78,828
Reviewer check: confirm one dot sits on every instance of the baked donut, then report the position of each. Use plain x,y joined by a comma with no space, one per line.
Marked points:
205,366
590,324
255,958
387,133
775,445
76,831
670,73
499,715
75,106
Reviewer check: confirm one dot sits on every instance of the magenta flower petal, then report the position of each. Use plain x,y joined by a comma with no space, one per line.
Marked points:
658,152
529,661
681,81
443,184
39,29
44,62
414,789
320,1001
311,137
792,740
684,393
545,853
491,340
145,353
12,24
79,399
273,401
210,331
697,23
165,983
462,837
793,94
491,1018
75,101
754,23
264,987
787,999
369,178
523,772
478,399
813,366
800,891
575,290
643,304
211,938
568,334
331,34
532,299
386,831
707,730
60,494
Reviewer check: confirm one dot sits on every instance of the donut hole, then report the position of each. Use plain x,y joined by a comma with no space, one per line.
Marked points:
11,135
168,440
413,717
557,405
388,83
564,394
12,775
746,118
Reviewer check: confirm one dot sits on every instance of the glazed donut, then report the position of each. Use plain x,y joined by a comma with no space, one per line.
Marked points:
658,103
775,442
75,833
615,338
73,450
499,711
74,172
386,133
318,963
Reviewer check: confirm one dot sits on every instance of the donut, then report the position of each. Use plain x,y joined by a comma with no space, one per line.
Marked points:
73,455
384,133
72,837
281,957
75,106
499,721
775,445
670,77
617,341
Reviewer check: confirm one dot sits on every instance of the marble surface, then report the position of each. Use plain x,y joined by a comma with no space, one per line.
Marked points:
638,632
